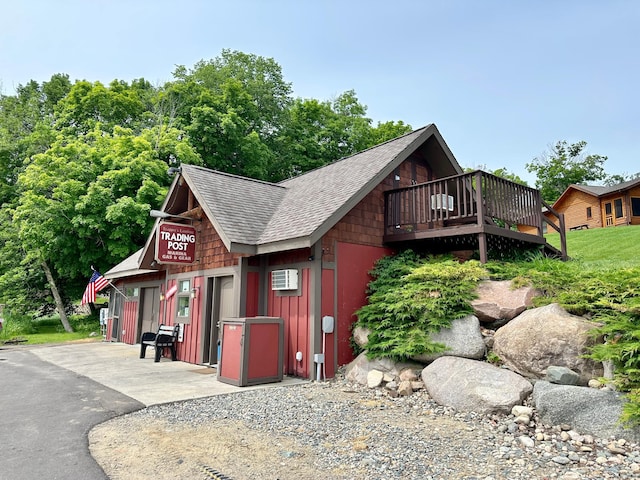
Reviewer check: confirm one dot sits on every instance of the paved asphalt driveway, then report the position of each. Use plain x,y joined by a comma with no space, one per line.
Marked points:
46,413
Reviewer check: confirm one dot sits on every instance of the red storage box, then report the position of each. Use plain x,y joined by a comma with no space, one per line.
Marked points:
251,350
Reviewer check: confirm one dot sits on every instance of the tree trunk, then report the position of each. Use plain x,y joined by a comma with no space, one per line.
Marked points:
57,297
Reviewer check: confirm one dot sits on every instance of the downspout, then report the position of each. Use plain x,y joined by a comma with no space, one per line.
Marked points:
315,307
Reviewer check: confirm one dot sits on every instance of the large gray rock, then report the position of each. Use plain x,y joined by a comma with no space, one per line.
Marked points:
562,376
546,336
358,370
470,385
498,302
586,410
463,339
361,336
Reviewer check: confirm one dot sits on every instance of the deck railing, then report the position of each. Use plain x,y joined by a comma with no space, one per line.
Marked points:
476,197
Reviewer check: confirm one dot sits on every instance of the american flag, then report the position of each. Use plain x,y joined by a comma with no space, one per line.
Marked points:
96,283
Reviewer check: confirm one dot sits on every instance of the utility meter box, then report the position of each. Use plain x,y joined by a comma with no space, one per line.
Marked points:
251,350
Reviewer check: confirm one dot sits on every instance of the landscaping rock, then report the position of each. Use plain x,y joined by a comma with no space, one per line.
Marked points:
541,337
475,386
361,336
358,370
562,376
374,378
586,410
463,339
498,302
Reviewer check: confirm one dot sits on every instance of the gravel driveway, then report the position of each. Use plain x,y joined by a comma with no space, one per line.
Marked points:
336,430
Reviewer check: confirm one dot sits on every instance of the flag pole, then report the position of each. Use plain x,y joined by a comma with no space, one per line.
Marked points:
110,283
116,289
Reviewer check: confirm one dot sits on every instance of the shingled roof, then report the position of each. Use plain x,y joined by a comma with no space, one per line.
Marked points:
253,216
599,190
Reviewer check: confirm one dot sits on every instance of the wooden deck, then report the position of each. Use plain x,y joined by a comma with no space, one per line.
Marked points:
475,210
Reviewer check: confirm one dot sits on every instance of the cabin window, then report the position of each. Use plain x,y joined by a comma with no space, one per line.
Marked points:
588,212
618,206
635,206
132,292
184,300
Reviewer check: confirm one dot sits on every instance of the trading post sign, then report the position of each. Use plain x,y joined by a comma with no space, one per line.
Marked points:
175,243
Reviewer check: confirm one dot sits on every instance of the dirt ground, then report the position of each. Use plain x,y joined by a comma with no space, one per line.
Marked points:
152,449
141,447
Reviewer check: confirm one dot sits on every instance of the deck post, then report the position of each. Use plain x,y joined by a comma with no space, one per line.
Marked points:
563,237
482,246
479,194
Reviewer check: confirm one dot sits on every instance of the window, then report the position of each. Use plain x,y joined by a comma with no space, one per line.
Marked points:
184,299
588,212
618,206
635,206
132,292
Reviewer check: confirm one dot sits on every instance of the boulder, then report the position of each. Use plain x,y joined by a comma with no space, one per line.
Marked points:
374,378
562,376
586,410
358,370
405,388
409,374
546,336
471,385
498,302
361,336
463,339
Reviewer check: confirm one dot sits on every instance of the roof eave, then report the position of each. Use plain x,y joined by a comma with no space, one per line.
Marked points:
284,245
208,213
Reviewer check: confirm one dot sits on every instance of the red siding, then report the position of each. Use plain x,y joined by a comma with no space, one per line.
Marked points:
253,292
354,264
189,349
294,310
129,322
328,308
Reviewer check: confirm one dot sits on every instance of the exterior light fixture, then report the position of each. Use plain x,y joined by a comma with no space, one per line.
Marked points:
161,214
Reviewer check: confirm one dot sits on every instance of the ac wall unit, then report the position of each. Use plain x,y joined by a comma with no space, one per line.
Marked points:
284,279
440,201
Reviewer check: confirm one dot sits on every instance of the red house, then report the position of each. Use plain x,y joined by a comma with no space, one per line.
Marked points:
301,249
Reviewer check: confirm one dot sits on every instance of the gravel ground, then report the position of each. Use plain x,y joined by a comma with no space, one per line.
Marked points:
336,430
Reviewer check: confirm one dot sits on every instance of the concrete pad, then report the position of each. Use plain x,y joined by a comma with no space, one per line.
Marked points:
118,366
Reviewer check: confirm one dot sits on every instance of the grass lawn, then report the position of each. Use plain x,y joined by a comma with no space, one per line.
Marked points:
50,330
602,248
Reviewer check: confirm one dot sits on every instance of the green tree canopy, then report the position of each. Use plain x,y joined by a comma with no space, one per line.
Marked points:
565,165
82,164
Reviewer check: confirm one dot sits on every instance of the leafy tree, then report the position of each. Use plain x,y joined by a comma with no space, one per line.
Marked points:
90,104
563,166
385,131
26,127
318,133
86,201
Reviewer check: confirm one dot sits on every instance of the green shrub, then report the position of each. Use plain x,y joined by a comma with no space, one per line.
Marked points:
410,297
16,325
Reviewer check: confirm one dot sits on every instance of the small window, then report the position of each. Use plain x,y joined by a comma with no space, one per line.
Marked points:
618,206
635,206
588,212
131,292
184,300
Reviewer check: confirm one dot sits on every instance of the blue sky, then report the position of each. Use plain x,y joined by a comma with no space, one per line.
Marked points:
502,79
